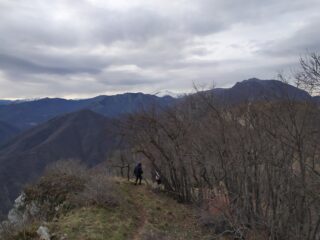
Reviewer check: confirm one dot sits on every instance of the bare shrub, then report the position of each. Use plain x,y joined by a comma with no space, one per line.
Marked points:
220,223
11,232
53,191
70,167
152,234
6,230
101,191
217,223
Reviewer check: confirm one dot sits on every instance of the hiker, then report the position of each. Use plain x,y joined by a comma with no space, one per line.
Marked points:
158,178
138,173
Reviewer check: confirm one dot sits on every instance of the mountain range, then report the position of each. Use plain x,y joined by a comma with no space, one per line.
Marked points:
34,134
4,102
27,114
24,115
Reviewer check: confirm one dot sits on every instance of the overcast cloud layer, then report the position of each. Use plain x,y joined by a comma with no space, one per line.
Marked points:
83,48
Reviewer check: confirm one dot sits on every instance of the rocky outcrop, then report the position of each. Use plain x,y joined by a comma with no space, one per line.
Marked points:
21,211
43,233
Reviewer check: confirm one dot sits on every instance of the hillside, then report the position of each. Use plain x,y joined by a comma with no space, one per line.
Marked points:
82,135
7,131
144,215
119,211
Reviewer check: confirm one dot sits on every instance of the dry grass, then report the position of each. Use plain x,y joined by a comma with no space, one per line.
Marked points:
142,214
99,191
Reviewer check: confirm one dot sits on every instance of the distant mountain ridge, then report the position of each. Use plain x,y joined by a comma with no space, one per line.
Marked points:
7,102
28,114
260,90
25,114
4,102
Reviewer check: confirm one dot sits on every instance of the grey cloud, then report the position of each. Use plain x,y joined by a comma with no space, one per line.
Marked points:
14,64
137,25
305,40
253,11
66,47
127,79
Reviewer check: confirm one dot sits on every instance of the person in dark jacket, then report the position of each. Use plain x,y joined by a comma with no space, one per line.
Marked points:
138,173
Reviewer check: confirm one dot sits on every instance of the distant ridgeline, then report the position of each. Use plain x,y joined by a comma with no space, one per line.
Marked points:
24,115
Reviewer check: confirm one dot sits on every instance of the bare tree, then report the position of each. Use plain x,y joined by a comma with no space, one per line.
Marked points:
309,75
257,164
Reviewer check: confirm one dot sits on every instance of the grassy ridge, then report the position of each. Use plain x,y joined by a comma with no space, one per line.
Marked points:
143,214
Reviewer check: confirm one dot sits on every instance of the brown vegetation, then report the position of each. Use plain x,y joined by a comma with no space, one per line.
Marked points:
99,191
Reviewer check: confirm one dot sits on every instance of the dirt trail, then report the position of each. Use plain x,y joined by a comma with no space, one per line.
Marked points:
139,232
143,216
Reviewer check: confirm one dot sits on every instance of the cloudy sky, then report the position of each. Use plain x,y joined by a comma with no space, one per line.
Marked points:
83,48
